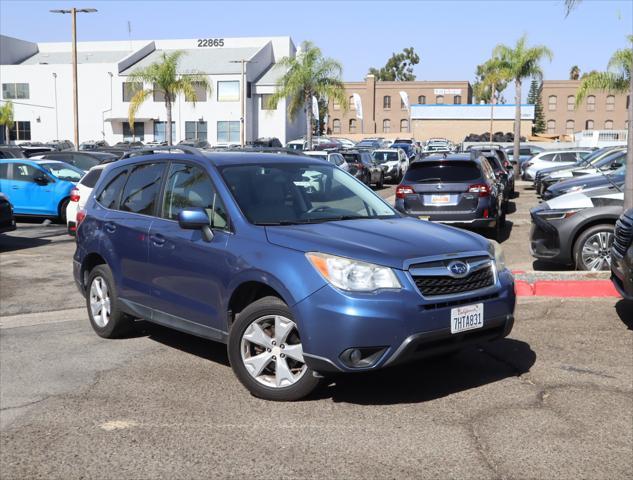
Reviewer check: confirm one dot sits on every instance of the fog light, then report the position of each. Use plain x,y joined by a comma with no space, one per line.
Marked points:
362,357
355,356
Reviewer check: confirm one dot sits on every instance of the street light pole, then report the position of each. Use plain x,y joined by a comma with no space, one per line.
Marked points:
73,11
56,115
243,99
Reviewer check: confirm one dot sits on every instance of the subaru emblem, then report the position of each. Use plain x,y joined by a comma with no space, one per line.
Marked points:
458,268
439,187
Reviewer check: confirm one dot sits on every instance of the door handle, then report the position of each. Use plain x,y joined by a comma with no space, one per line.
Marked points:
110,227
157,240
15,187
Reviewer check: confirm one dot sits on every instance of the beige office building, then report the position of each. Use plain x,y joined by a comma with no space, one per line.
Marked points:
599,111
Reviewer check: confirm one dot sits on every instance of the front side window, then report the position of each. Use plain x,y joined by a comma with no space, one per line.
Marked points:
15,91
141,189
25,173
229,91
228,132
109,196
195,130
130,89
189,186
279,194
20,131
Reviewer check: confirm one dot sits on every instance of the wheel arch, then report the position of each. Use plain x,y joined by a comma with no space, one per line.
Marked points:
247,292
591,222
89,262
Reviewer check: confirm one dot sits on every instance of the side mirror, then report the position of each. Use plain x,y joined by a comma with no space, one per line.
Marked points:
196,219
615,165
41,179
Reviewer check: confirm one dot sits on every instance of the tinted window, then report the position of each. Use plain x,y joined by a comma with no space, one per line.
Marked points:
25,173
549,157
110,194
522,151
90,179
351,157
568,157
84,162
4,171
189,186
141,189
443,172
63,171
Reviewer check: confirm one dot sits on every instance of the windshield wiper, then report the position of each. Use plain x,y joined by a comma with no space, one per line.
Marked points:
274,224
430,180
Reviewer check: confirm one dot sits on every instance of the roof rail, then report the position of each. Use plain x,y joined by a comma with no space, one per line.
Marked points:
182,149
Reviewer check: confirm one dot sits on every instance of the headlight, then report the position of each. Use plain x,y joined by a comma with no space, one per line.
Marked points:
557,214
353,275
496,251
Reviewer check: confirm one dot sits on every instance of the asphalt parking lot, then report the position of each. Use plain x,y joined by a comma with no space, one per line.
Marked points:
553,400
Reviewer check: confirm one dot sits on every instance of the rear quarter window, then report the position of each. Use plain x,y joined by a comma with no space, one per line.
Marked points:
109,195
447,172
90,179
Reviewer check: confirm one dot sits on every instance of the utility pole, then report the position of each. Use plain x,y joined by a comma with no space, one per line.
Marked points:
73,11
56,115
243,62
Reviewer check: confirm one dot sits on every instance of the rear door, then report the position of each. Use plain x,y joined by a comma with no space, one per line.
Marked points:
442,185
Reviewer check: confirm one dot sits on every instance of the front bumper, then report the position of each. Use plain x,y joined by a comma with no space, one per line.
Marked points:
473,218
400,325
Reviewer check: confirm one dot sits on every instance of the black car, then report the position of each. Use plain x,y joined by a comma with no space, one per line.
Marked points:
408,148
622,255
363,167
194,142
7,220
457,188
267,142
82,160
11,151
502,167
579,184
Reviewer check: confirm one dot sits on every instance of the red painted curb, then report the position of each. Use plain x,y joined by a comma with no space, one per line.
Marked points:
574,288
523,288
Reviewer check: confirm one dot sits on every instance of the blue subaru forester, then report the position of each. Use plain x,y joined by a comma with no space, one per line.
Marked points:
297,266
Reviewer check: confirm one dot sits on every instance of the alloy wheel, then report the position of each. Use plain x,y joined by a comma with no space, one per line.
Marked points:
100,301
596,251
271,351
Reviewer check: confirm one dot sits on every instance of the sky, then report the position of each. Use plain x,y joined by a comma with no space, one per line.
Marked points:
451,37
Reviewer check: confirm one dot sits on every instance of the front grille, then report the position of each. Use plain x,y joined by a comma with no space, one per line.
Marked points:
623,235
445,285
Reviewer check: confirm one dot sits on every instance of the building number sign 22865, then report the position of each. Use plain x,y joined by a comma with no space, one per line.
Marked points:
210,42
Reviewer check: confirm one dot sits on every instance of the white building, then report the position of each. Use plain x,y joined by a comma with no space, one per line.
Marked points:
37,78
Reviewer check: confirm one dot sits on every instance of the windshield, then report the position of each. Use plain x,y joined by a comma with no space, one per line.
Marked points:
295,193
63,171
606,162
322,156
382,157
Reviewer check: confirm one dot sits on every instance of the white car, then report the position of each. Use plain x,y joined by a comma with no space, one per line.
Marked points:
548,159
80,194
332,157
346,142
393,161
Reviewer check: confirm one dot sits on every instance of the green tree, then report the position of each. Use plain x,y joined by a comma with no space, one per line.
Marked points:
574,73
484,90
163,79
399,67
309,74
520,62
617,79
6,119
534,98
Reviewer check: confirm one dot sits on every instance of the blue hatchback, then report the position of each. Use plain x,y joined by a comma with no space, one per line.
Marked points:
39,188
297,266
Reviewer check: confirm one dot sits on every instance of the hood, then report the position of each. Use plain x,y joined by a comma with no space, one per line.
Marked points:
586,181
586,199
388,242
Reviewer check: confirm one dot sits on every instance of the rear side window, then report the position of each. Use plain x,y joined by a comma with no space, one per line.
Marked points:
111,192
351,157
443,172
141,189
524,151
84,162
90,179
568,157
549,157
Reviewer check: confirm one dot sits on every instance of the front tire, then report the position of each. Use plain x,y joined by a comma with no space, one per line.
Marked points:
266,353
592,250
107,320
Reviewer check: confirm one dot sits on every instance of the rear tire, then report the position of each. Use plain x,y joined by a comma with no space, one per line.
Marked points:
61,217
106,318
592,249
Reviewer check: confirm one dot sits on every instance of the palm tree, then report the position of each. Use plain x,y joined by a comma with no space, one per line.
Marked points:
570,5
519,63
6,119
309,74
618,79
574,73
164,79
494,79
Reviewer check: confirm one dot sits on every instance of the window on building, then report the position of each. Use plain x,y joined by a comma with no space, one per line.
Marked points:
158,94
336,105
589,125
628,101
130,89
196,130
551,102
404,125
571,103
160,131
439,99
336,126
386,125
386,102
200,92
20,131
352,106
141,189
266,102
137,134
551,126
610,103
352,125
457,100
229,91
229,132
570,125
15,91
608,125
591,103
422,100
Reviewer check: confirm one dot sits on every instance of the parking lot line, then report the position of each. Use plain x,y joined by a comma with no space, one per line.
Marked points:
41,318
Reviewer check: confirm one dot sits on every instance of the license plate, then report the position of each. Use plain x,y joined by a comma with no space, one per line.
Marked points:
468,317
440,199
424,217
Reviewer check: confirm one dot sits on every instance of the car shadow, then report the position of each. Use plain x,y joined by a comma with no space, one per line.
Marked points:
512,207
624,309
11,244
490,234
544,266
434,378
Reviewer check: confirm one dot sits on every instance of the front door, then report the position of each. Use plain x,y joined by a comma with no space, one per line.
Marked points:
28,196
189,273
